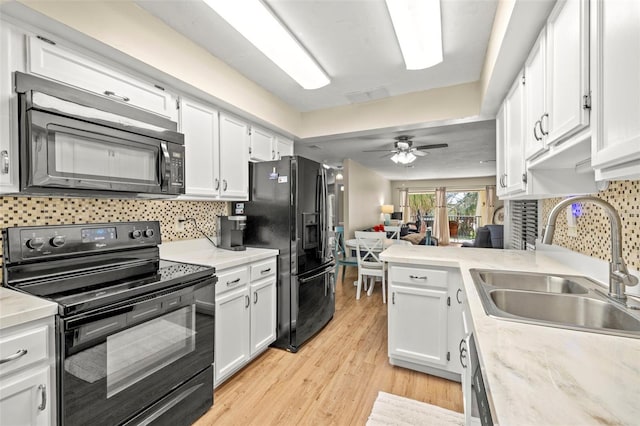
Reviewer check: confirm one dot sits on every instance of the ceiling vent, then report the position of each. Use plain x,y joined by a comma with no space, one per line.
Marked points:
372,95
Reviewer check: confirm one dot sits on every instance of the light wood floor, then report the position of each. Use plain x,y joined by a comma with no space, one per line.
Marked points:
333,379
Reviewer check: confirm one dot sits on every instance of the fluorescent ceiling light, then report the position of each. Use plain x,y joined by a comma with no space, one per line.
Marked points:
418,28
256,23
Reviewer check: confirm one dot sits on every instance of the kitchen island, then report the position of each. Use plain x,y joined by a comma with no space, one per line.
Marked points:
537,375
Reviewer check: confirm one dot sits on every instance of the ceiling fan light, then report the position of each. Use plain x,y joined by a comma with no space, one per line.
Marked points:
396,158
418,28
410,158
257,23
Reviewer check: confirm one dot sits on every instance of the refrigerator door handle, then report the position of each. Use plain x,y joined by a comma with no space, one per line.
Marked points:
314,276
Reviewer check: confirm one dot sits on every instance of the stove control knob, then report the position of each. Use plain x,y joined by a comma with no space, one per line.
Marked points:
149,233
58,241
136,234
35,243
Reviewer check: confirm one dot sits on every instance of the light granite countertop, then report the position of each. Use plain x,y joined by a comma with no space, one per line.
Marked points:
540,375
19,308
202,252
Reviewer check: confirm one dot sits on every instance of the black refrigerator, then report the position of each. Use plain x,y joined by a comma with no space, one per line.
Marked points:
288,210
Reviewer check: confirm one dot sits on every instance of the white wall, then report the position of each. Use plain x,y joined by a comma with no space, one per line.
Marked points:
365,191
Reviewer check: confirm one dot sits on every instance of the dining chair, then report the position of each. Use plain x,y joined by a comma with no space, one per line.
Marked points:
394,231
369,247
340,253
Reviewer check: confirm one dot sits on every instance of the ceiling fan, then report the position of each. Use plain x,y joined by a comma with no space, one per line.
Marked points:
404,152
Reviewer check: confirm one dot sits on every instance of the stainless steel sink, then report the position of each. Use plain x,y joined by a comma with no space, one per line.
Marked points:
531,282
571,302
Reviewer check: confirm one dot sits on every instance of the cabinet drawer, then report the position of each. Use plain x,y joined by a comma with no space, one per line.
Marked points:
232,278
418,276
58,63
263,269
23,348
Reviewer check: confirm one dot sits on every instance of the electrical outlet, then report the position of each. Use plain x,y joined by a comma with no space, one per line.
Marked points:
179,224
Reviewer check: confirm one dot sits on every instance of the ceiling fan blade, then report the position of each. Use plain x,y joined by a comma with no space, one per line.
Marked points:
380,150
434,146
418,153
387,155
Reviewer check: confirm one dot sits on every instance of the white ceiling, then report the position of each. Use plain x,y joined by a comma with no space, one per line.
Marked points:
354,41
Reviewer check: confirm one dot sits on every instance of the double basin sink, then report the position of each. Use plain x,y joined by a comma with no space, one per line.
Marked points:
571,302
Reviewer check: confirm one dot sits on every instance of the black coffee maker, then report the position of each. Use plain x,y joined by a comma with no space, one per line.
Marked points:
231,232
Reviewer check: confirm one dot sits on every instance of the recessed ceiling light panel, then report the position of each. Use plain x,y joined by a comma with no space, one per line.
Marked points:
258,24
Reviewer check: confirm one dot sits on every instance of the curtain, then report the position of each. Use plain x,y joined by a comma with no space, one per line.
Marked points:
404,205
441,219
490,205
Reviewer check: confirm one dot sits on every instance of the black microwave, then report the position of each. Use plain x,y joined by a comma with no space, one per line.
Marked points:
77,143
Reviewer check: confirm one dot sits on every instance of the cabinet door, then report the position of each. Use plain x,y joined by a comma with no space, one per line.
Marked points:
261,145
234,161
534,94
567,70
616,97
263,314
514,139
199,123
64,65
501,154
232,332
418,325
284,147
11,58
25,398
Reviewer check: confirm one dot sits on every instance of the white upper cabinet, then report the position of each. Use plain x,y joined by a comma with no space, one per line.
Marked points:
567,82
615,150
61,64
534,94
11,59
284,147
262,145
501,162
199,123
514,177
234,161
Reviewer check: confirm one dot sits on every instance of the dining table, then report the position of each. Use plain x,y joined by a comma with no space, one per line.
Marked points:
388,242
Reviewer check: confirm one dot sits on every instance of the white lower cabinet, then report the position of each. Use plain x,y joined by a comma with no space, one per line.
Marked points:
425,321
27,374
245,315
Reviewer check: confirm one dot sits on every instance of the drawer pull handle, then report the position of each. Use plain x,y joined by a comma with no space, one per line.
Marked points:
264,271
4,169
43,392
237,280
15,356
115,95
415,277
255,297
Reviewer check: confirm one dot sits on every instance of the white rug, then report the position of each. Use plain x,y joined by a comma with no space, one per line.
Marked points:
392,409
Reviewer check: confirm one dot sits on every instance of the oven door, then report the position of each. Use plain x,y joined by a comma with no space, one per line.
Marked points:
66,154
115,364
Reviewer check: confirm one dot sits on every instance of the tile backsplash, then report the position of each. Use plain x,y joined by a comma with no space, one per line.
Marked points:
31,211
593,231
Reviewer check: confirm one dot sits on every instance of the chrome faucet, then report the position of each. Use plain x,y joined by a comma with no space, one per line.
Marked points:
619,275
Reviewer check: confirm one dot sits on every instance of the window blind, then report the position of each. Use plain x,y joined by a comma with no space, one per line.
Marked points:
524,224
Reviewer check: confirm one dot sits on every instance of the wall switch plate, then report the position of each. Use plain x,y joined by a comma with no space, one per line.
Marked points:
179,224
